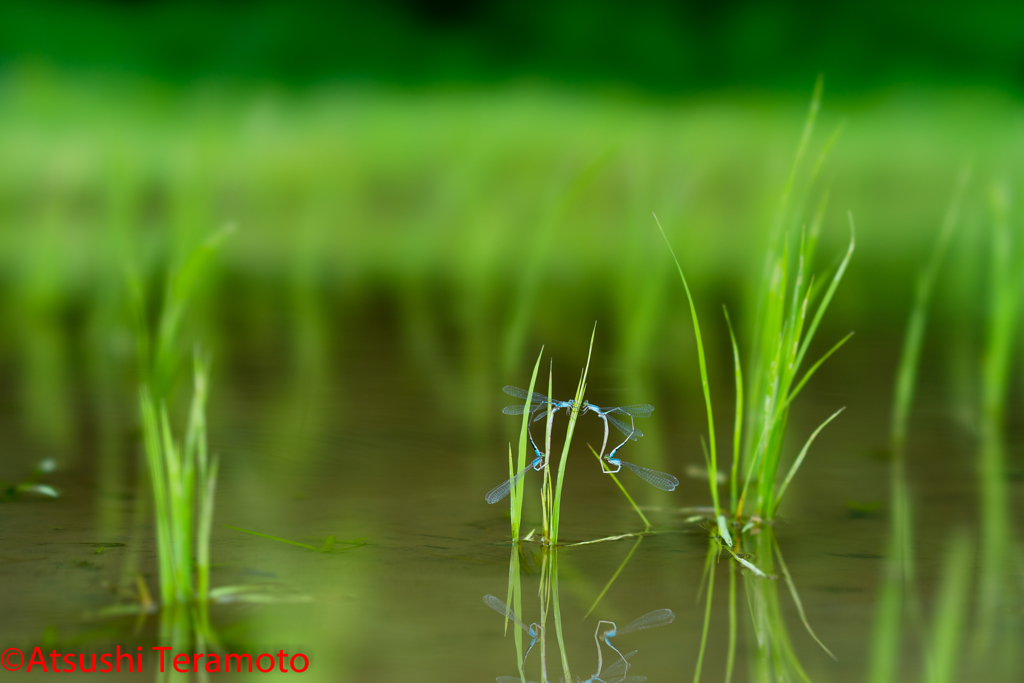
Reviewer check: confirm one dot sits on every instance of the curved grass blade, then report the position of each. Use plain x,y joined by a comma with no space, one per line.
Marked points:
813,369
827,299
796,599
703,369
608,585
800,458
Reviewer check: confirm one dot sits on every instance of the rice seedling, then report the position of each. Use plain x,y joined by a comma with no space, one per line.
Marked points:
182,472
790,308
184,478
782,340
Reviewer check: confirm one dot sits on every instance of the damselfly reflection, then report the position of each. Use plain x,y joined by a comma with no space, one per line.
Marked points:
659,617
533,630
616,673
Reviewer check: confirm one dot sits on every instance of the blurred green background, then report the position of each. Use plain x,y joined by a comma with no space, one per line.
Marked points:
475,179
653,46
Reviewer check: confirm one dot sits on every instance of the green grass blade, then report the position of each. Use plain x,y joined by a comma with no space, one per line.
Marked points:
737,431
827,299
800,459
796,600
577,404
913,340
730,657
273,538
947,636
515,599
713,469
811,370
516,495
557,609
545,489
618,571
707,617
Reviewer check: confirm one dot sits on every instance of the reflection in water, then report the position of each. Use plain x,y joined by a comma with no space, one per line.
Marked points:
533,630
658,617
943,635
549,604
756,551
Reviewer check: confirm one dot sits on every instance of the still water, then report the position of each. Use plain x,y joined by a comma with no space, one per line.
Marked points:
391,451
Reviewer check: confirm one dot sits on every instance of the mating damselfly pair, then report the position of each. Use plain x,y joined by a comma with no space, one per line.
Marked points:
538,405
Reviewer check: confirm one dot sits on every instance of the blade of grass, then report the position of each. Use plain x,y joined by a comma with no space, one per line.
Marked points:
556,607
713,468
516,495
356,542
730,658
514,598
577,404
618,571
737,432
913,340
796,600
800,459
827,299
707,616
810,371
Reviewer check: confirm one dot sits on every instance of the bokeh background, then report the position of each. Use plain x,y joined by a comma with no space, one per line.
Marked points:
422,193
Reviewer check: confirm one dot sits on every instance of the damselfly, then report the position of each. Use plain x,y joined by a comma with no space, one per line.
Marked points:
659,480
533,630
538,402
607,415
502,489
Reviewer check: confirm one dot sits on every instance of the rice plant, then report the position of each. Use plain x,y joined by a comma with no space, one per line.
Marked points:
184,479
784,331
182,472
790,308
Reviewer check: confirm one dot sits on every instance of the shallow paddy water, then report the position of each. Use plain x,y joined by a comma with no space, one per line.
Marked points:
380,451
